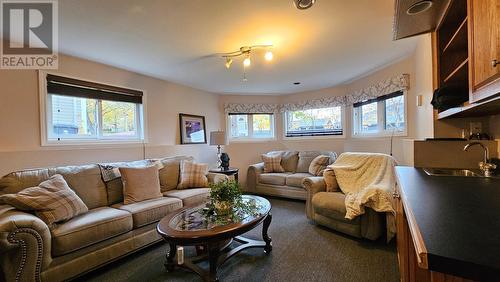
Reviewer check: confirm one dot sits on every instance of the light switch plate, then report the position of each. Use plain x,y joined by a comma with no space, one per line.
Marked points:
475,127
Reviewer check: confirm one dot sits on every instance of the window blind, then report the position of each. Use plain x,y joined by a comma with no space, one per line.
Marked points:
378,99
84,89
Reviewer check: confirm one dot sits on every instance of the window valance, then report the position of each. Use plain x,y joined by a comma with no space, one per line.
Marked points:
391,85
394,84
325,102
235,108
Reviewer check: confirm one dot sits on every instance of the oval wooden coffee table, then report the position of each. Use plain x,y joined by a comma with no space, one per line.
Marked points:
188,227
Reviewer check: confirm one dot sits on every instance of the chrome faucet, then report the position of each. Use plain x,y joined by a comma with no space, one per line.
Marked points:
485,166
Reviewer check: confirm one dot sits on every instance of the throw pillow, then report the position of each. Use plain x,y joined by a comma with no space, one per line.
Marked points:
193,175
272,163
140,183
330,180
52,200
318,165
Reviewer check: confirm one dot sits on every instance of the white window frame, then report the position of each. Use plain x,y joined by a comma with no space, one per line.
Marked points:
301,138
250,137
381,131
100,139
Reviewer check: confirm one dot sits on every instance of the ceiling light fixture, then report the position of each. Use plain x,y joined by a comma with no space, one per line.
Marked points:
303,4
246,52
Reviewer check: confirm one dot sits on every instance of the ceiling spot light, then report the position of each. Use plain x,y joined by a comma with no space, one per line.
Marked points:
419,7
268,56
229,61
246,61
303,4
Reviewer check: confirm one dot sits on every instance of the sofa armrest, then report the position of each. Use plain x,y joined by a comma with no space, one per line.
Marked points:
25,245
216,177
312,185
253,176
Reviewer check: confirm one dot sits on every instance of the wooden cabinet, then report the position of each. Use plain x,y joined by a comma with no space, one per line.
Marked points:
484,48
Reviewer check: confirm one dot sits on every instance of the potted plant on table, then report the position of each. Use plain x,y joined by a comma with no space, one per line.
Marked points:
224,196
227,204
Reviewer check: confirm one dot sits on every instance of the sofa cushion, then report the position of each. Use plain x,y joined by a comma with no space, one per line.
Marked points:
272,163
169,174
274,178
295,179
150,211
330,204
306,157
318,165
84,230
19,180
52,200
140,183
111,175
193,175
87,182
289,159
190,197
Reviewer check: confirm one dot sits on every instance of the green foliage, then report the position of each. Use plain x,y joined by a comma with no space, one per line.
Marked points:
228,191
223,191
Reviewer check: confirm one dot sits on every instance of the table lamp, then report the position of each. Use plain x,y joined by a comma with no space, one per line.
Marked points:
218,138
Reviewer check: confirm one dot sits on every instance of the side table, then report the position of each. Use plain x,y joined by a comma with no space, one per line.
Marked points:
232,171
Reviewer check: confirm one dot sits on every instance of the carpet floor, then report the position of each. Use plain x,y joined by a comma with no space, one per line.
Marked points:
302,251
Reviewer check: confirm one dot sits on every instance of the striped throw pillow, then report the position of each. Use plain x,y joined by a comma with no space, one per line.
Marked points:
52,200
272,163
318,165
193,175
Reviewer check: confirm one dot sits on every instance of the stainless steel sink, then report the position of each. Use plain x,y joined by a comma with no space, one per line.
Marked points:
452,172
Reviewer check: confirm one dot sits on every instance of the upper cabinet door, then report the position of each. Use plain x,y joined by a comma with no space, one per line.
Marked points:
484,16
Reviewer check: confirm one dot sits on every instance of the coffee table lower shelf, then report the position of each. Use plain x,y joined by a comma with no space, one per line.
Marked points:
217,255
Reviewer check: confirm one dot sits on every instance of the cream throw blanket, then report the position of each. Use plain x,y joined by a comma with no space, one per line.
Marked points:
367,180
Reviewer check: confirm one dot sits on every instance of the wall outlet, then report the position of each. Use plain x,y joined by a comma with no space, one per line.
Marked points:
475,127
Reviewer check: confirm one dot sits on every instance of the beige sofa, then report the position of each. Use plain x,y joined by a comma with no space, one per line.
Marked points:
289,183
328,209
30,251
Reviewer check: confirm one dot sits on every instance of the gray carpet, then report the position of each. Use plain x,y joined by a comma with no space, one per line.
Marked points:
302,251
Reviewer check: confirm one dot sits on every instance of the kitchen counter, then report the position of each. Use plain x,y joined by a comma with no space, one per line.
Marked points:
458,220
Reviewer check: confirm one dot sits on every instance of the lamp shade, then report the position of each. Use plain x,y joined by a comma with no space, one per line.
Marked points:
218,138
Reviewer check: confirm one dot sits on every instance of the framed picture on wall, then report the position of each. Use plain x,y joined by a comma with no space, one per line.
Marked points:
192,129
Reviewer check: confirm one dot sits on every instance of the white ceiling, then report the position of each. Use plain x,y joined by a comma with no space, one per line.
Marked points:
177,40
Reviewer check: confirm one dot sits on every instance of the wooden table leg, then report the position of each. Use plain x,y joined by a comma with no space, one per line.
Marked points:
213,260
170,264
267,221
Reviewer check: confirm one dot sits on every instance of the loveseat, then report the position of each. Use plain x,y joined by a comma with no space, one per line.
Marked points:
286,184
31,251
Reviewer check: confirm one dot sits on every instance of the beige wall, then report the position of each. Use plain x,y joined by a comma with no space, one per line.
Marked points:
20,126
245,153
423,86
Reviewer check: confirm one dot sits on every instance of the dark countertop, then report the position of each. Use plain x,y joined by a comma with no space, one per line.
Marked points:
459,221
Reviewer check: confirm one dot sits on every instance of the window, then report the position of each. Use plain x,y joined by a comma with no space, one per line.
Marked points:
251,126
384,115
314,122
89,112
